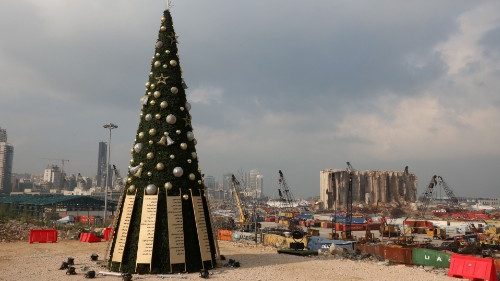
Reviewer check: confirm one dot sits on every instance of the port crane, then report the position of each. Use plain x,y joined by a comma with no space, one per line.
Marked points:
435,183
285,195
242,218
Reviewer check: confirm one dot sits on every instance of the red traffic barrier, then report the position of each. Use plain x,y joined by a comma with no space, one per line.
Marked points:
43,236
108,231
471,267
89,238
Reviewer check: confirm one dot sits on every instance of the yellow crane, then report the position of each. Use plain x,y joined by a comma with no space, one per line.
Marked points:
242,220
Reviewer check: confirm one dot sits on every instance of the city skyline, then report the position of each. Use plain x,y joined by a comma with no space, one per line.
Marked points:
399,84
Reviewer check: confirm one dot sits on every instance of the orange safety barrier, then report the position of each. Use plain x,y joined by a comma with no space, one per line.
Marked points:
43,236
471,267
89,238
225,235
108,231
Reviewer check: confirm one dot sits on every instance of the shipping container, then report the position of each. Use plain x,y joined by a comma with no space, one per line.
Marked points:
398,254
427,257
315,243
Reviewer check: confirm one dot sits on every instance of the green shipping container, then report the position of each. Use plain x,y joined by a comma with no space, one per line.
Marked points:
433,258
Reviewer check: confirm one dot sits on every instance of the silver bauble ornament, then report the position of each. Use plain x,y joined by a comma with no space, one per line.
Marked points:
194,155
157,63
163,104
192,177
174,90
157,94
188,106
199,181
185,197
131,161
183,146
141,135
157,54
189,161
152,131
178,172
181,108
138,147
151,189
190,136
150,174
160,166
173,63
168,185
152,86
148,117
171,119
150,155
129,180
172,156
157,116
178,132
153,102
131,189
167,52
149,94
150,142
147,84
165,66
163,19
159,44
163,28
151,74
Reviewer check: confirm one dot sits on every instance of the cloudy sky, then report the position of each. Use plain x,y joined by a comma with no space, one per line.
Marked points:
280,84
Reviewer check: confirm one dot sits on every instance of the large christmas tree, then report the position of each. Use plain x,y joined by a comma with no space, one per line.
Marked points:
163,225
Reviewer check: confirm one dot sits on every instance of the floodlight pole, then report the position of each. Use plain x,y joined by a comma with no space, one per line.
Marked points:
110,127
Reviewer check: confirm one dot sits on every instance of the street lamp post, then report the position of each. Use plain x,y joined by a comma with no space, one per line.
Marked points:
110,127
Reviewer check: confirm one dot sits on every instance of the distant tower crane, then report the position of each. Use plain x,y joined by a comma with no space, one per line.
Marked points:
242,220
284,192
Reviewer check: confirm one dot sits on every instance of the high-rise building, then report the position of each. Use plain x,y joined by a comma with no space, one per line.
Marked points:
255,183
3,135
6,159
101,164
226,181
53,175
209,182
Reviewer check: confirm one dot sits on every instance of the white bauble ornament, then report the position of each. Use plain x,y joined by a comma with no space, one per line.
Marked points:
157,54
163,19
159,44
189,161
141,135
157,63
173,63
160,166
174,90
138,147
199,181
188,106
181,108
157,116
150,174
151,189
144,100
165,66
152,86
157,94
171,119
129,180
147,84
167,52
194,155
150,155
192,177
185,197
150,142
131,161
153,102
168,185
163,104
148,117
190,136
172,156
152,131
178,132
163,28
178,172
183,146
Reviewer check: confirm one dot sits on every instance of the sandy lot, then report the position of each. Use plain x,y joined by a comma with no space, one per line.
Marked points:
22,261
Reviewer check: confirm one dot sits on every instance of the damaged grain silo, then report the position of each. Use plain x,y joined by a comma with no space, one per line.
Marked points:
369,188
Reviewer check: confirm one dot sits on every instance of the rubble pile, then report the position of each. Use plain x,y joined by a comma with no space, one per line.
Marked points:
13,230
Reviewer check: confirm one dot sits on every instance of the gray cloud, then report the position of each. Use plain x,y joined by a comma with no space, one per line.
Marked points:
275,85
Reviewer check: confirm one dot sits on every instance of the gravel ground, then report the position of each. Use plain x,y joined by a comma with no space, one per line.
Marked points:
22,261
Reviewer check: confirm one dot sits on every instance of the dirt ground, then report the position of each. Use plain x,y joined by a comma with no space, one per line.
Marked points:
23,261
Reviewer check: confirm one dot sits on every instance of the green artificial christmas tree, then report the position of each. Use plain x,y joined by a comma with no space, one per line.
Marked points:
163,225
